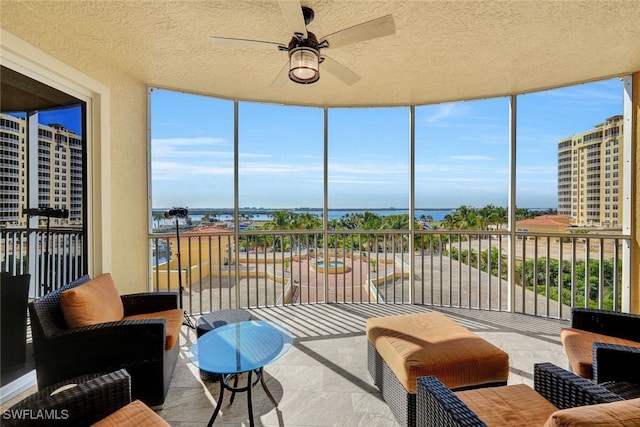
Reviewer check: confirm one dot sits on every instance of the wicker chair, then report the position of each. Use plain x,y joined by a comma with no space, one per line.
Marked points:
94,397
437,406
615,368
610,361
137,345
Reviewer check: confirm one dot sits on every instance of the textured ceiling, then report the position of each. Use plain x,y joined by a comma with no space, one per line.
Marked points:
442,50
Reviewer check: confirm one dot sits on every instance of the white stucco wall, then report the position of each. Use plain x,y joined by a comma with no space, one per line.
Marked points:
118,182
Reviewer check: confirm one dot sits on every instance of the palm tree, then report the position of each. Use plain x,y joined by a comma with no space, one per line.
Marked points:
371,221
396,222
157,218
280,220
308,221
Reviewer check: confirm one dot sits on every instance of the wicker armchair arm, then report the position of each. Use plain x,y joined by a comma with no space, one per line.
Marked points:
613,323
93,398
613,362
437,406
140,328
149,302
567,390
99,348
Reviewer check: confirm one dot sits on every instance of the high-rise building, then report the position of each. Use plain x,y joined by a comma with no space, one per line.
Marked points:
59,171
589,175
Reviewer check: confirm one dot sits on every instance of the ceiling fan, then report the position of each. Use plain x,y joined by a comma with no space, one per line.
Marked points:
304,47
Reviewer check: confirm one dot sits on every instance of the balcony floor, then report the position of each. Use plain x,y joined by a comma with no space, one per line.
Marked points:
323,379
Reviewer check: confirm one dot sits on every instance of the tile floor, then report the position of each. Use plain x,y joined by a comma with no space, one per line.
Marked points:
323,379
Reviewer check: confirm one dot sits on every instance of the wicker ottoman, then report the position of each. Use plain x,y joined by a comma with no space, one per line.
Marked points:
403,348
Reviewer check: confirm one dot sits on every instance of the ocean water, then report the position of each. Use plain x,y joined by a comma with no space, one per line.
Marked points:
436,214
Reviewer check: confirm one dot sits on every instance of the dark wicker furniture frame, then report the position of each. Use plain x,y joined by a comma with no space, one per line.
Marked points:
437,406
95,397
611,362
136,345
400,401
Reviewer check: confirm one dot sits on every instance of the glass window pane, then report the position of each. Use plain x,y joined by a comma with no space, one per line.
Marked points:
368,165
462,163
569,152
280,165
566,142
191,156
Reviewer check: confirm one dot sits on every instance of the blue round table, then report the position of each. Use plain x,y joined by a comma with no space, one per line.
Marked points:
240,347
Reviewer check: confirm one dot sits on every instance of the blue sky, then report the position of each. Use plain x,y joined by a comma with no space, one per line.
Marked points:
70,117
461,154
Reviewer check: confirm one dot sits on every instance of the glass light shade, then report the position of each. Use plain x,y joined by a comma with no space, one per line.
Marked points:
303,65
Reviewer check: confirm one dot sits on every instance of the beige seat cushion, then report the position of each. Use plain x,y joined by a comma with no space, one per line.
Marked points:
421,344
174,319
96,301
513,405
134,414
625,413
578,346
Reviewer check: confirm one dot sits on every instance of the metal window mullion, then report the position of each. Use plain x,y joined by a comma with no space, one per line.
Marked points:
236,204
460,270
325,204
225,253
560,281
360,261
479,267
573,272
200,273
210,281
601,281
489,271
535,275
500,273
628,190
412,207
188,273
616,275
524,274
450,274
587,273
511,266
548,276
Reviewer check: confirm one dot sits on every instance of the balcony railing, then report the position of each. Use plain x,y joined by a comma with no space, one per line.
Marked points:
466,269
53,259
539,274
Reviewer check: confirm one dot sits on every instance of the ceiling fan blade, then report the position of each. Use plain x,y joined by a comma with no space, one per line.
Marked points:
292,11
380,27
338,70
282,77
245,44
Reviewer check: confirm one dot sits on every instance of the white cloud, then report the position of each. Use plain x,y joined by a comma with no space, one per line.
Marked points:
442,112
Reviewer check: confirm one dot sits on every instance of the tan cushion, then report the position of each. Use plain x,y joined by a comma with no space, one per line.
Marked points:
134,414
578,346
96,301
421,344
174,319
513,405
625,413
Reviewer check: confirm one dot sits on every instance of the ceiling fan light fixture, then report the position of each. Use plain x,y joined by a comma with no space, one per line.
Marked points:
304,65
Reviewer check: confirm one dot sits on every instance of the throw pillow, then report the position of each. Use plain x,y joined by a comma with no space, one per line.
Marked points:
624,413
96,301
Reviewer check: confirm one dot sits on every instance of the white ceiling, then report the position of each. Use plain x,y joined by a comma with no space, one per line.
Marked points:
442,50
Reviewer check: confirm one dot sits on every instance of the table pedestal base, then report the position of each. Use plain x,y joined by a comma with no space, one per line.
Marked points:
224,384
